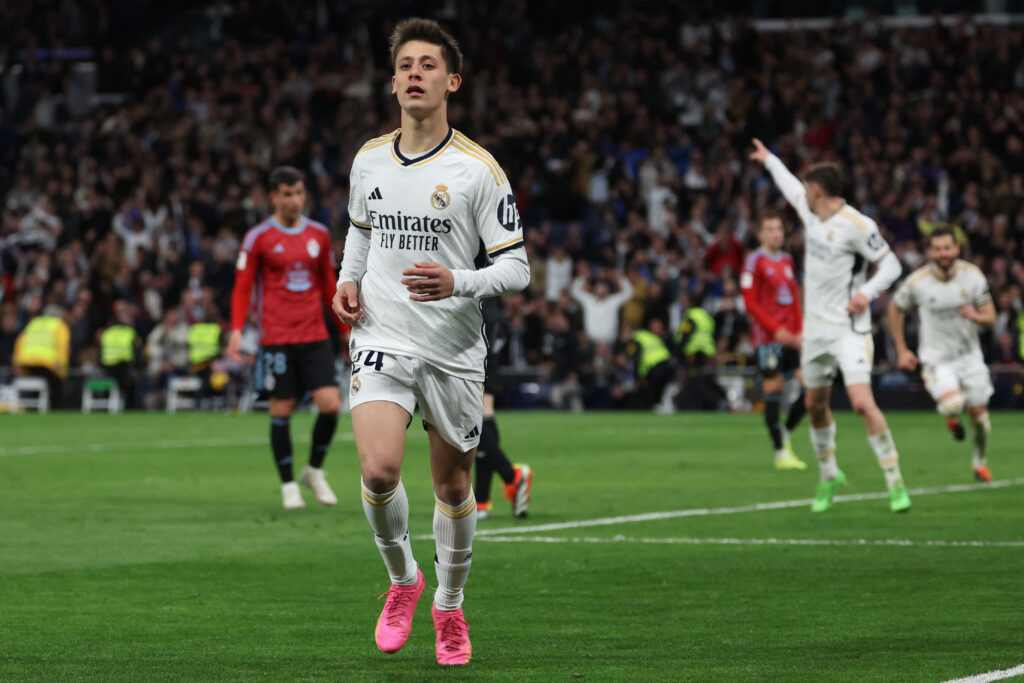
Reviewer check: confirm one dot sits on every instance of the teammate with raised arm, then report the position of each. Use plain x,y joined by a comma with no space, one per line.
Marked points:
952,300
422,201
840,244
288,257
772,298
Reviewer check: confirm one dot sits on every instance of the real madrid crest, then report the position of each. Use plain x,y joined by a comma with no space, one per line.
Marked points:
440,199
356,384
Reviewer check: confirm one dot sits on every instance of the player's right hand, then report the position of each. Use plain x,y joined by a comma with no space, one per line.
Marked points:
235,343
906,360
346,303
760,153
787,338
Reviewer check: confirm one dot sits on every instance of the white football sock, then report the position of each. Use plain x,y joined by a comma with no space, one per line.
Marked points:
454,527
388,514
888,459
823,441
982,427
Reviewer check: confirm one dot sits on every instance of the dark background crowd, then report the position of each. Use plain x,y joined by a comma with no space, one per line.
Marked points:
136,139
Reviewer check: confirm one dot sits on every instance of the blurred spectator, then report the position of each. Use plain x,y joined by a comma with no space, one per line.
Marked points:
119,352
600,306
41,350
167,350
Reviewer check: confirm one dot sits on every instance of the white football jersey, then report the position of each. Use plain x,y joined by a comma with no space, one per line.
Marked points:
837,252
441,206
945,335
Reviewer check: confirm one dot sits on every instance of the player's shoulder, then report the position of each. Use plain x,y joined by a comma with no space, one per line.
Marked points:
969,269
380,144
750,263
254,233
921,275
475,155
318,228
858,220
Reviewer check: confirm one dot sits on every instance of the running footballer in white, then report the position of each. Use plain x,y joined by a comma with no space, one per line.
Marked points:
952,300
840,244
424,201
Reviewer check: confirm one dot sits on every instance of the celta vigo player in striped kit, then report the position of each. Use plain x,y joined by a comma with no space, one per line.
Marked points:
423,200
840,243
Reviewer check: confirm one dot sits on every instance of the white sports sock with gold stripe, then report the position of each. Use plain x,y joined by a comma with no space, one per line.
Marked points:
388,514
823,441
454,527
888,459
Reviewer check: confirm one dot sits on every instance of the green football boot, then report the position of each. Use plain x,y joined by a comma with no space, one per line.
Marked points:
826,489
899,501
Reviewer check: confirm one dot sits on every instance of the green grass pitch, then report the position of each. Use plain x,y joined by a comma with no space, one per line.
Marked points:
152,547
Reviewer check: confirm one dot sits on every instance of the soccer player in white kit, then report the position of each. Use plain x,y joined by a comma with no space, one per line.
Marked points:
423,201
840,242
952,299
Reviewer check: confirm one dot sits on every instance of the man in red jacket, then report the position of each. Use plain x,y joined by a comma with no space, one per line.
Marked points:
289,258
772,298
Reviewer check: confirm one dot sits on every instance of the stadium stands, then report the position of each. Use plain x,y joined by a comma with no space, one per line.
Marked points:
131,161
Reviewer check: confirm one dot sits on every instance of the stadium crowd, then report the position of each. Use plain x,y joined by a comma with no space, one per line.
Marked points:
126,188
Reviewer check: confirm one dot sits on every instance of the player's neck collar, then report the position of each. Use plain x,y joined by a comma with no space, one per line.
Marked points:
407,161
284,228
944,275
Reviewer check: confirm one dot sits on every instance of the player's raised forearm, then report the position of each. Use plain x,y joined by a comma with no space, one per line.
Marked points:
789,185
509,273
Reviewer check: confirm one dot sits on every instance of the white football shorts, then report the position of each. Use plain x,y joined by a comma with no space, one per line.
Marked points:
848,351
454,406
968,374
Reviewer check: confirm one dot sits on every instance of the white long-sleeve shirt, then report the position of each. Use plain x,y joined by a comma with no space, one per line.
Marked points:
601,316
439,207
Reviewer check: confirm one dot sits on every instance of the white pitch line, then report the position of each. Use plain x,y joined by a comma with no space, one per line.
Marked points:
141,445
991,676
705,512
897,542
756,507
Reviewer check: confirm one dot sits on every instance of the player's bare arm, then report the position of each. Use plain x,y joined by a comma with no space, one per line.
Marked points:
984,315
234,344
428,281
905,358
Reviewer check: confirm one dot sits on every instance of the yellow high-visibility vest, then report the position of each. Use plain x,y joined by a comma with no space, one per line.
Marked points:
203,342
117,345
45,342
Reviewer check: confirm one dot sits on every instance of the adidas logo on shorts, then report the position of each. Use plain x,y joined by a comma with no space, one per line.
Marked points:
472,433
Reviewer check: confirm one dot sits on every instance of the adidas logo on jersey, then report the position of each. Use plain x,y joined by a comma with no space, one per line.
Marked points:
279,248
472,433
376,194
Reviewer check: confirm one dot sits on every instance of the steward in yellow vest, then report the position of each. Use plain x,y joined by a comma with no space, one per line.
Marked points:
43,349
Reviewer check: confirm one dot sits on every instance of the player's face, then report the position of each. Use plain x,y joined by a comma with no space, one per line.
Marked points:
288,200
943,251
813,193
772,234
421,81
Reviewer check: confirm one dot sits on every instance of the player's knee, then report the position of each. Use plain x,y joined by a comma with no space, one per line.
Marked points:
980,418
381,478
452,492
815,407
951,406
863,405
